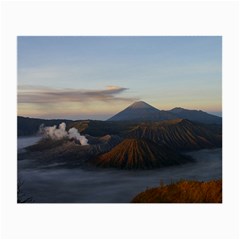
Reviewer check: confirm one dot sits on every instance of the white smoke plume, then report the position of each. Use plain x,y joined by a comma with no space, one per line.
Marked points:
60,132
54,132
73,133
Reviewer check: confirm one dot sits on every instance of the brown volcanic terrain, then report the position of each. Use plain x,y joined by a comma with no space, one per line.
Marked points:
98,145
139,154
62,152
147,145
68,152
183,192
178,134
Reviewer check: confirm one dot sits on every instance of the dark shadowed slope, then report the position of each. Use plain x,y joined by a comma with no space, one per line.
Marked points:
30,126
141,111
183,192
102,144
139,154
178,134
101,128
67,151
196,115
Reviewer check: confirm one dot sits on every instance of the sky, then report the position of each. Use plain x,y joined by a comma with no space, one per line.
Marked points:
96,77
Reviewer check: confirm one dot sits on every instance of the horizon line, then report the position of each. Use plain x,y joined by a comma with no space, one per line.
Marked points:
91,119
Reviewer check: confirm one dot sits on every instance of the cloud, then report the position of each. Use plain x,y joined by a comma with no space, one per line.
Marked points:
41,94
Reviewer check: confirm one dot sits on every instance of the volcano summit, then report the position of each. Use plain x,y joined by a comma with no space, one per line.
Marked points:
141,111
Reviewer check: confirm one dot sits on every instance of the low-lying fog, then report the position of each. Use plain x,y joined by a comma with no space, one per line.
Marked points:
109,185
26,141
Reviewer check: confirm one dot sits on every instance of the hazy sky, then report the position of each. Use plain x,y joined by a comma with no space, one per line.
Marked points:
96,77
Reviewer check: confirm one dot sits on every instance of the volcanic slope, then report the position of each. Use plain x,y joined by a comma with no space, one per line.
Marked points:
141,111
139,154
68,152
103,144
183,192
196,115
178,134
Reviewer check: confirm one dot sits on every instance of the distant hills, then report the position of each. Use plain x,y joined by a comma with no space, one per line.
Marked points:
136,113
141,111
196,115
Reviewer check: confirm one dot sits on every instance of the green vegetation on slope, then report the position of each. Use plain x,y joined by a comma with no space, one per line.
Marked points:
183,192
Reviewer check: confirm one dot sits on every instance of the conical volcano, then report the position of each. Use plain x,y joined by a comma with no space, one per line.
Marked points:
139,154
141,111
141,105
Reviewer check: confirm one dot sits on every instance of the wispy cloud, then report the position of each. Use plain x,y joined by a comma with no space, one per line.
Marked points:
41,94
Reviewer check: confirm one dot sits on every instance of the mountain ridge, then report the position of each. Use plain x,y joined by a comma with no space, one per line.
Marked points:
180,134
142,111
196,115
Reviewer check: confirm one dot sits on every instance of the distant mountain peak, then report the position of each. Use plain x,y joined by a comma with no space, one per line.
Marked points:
140,104
140,111
177,109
